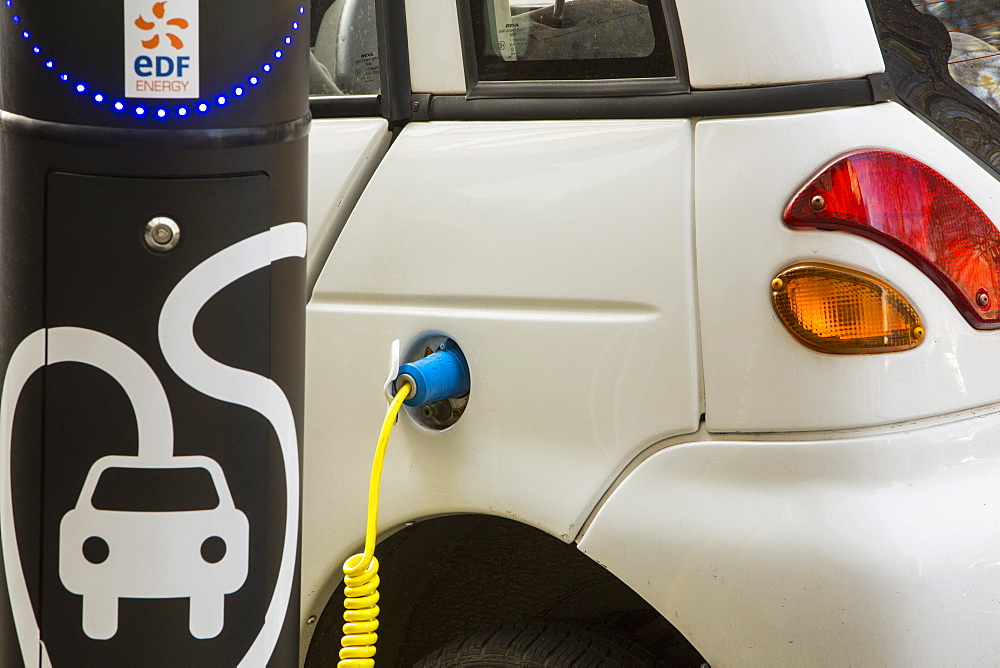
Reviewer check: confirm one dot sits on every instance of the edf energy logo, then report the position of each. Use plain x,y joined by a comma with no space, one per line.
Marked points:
161,48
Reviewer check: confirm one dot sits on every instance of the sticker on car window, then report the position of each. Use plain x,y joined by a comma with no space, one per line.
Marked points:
506,31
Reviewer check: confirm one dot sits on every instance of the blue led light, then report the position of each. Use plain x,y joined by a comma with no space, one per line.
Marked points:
120,105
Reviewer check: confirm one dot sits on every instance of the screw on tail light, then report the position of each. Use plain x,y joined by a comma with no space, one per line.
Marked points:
843,311
910,208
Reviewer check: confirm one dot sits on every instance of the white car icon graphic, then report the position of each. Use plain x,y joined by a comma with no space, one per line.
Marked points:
154,528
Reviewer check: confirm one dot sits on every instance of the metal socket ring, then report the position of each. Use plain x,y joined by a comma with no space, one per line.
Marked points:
162,234
404,379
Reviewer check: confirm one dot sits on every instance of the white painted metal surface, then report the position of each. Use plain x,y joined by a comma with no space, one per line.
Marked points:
768,42
435,47
871,551
757,377
343,153
560,255
523,242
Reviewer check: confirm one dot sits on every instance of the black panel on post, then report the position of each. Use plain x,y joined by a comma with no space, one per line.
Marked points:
152,244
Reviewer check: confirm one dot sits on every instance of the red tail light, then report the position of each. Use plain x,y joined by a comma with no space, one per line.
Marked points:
910,208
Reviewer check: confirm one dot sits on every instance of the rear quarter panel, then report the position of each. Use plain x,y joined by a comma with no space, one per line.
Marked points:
757,377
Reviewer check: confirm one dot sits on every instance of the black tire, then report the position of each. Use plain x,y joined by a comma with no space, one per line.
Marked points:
537,645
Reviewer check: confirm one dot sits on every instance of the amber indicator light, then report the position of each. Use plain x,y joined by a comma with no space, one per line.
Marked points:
843,311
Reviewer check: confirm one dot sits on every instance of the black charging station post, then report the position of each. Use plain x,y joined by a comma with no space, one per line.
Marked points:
152,242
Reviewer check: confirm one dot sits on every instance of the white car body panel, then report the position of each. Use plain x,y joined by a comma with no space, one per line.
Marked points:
519,240
877,550
609,283
743,244
343,153
770,42
435,48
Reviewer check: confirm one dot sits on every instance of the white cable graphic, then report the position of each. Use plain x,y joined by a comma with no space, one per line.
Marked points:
28,357
241,387
153,416
155,428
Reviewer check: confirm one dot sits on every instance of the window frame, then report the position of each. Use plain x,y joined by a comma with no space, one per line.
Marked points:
573,88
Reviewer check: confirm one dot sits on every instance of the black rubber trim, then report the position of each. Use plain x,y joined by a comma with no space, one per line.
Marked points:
731,102
394,61
346,106
141,138
577,88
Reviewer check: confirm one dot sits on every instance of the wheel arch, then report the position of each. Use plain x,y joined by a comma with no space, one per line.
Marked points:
447,577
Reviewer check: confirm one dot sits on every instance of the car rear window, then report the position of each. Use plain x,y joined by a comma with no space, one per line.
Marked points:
974,30
942,58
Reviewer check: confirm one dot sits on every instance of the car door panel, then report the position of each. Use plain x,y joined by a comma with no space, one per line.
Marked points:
559,256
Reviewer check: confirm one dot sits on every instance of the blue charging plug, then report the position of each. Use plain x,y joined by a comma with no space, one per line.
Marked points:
443,374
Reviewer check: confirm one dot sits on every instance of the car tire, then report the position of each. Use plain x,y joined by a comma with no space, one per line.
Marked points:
531,645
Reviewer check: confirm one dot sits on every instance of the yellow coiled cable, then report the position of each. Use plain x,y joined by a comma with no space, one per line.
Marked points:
361,570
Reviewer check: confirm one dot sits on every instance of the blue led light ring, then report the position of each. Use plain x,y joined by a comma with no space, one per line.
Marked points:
235,92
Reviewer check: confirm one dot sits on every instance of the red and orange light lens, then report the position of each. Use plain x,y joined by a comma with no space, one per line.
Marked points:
915,211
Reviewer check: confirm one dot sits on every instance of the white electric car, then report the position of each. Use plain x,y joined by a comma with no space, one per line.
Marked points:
128,538
727,278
